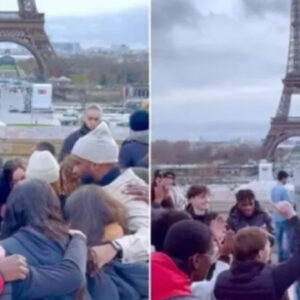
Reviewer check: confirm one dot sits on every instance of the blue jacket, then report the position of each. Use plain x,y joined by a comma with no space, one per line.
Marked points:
47,275
118,281
134,150
71,140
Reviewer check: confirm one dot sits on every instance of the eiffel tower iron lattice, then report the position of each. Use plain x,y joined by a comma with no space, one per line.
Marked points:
25,27
282,126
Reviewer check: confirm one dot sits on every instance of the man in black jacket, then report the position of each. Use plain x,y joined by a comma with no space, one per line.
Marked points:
248,212
91,119
250,276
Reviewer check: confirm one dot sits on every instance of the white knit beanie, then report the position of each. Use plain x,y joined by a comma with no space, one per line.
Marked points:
97,146
42,165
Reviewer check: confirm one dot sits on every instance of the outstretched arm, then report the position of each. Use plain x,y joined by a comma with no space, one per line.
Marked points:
58,280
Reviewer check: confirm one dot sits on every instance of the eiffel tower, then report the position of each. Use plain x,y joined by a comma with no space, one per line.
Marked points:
282,126
25,27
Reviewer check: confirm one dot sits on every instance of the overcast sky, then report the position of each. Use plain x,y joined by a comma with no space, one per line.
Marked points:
217,67
78,7
94,22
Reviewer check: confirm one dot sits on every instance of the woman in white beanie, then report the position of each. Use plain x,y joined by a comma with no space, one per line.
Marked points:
42,165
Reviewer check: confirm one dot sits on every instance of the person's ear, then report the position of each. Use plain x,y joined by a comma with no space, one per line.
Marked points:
261,256
199,266
197,260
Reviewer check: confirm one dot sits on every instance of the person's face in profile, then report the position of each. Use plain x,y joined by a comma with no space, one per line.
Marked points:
18,175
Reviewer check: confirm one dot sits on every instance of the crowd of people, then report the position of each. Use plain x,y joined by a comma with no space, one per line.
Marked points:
246,254
77,226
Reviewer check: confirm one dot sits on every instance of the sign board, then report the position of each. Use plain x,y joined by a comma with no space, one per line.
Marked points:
79,78
265,172
41,96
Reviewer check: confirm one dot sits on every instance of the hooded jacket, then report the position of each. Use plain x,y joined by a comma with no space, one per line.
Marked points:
118,281
167,280
260,218
134,150
251,280
41,251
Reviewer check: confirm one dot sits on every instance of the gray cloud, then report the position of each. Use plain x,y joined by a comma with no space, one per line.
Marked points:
263,7
227,68
169,13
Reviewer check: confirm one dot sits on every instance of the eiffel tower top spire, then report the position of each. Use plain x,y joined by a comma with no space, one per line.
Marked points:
27,8
293,66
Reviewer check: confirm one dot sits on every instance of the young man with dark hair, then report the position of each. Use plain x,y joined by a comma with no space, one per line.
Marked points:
250,276
198,198
161,221
187,256
248,212
188,251
283,231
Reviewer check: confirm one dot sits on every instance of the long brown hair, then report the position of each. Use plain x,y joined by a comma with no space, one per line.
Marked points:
90,209
34,203
69,181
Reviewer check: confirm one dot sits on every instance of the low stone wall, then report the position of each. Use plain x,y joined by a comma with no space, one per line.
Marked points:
18,141
22,148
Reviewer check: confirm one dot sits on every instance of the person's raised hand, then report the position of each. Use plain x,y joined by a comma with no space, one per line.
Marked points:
159,193
285,209
218,229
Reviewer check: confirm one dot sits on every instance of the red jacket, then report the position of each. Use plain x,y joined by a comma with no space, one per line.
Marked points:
1,284
167,280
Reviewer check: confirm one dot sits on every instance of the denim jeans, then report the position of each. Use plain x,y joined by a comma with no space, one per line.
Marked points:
283,239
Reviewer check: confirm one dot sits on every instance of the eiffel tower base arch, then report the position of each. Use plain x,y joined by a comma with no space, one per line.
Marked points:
280,131
26,28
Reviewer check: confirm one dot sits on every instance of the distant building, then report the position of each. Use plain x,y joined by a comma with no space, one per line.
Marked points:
9,67
120,49
66,48
140,91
